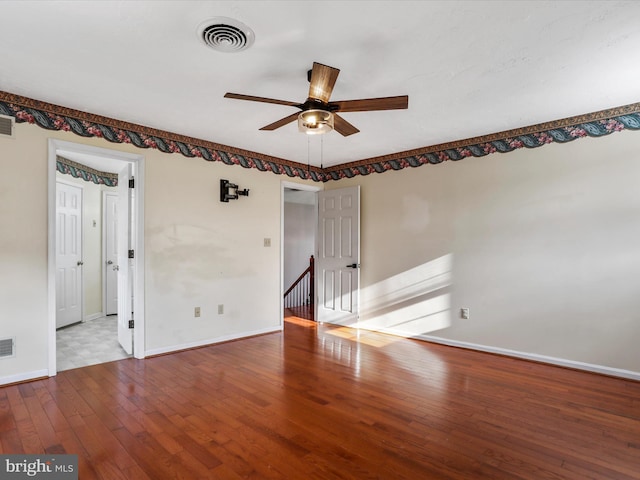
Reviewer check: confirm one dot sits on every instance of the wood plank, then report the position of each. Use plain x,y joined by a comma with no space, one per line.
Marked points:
325,402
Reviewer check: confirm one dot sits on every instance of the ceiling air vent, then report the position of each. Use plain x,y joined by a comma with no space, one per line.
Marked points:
6,126
6,347
226,35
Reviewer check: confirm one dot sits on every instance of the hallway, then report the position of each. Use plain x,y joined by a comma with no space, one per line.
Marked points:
88,343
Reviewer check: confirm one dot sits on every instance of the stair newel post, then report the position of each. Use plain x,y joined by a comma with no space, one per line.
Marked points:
312,282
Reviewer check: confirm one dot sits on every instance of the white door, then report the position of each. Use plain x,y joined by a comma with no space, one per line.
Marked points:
338,262
111,252
125,334
68,254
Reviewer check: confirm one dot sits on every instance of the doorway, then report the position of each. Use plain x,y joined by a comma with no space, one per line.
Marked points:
336,238
86,283
299,235
130,242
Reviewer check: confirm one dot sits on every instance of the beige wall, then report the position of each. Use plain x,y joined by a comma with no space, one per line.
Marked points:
199,251
202,252
23,251
541,245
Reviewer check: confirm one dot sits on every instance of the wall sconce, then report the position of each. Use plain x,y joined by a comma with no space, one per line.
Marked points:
230,191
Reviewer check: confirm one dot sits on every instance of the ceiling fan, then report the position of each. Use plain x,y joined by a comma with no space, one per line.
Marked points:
319,115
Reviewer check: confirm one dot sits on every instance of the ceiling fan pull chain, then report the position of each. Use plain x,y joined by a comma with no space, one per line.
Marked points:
309,155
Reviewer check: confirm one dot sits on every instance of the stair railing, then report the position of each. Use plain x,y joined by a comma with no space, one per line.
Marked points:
301,292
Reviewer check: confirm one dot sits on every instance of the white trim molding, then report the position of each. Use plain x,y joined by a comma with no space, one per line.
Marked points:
24,377
211,342
560,362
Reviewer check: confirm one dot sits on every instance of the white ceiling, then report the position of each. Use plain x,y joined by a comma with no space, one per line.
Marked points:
303,197
469,67
104,164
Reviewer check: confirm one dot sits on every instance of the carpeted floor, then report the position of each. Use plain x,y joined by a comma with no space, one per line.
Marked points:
89,343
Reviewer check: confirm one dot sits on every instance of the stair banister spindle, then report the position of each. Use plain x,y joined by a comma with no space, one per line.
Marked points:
302,291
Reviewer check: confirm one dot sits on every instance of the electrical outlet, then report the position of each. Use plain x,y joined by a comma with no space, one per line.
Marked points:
267,242
464,313
220,309
196,312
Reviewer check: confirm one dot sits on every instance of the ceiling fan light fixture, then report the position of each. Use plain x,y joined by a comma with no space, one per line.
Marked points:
315,122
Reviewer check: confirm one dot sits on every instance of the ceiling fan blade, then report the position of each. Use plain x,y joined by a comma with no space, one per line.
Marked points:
343,127
239,96
282,122
368,104
323,78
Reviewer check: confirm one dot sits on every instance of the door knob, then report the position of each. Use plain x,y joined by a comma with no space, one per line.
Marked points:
354,265
109,262
80,263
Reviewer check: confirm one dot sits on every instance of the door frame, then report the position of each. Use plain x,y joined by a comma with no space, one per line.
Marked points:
54,146
105,194
297,186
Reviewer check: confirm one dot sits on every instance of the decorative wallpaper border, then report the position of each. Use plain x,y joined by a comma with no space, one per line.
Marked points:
77,170
55,117
595,124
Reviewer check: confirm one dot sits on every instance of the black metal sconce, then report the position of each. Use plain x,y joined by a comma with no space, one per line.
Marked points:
230,191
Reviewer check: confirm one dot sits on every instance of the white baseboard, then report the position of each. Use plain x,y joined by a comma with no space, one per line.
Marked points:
93,316
23,377
211,341
562,362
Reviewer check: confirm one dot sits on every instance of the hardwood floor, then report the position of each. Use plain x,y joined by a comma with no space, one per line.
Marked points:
320,402
305,312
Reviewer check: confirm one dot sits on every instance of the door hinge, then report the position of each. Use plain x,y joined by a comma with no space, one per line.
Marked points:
131,323
132,183
131,254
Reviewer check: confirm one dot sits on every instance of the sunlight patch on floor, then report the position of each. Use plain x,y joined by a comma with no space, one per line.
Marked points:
373,339
302,322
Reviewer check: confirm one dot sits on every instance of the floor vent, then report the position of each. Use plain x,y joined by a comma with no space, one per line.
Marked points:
6,126
6,347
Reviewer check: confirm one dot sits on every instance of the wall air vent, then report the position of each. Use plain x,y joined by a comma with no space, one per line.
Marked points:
7,347
226,35
6,126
